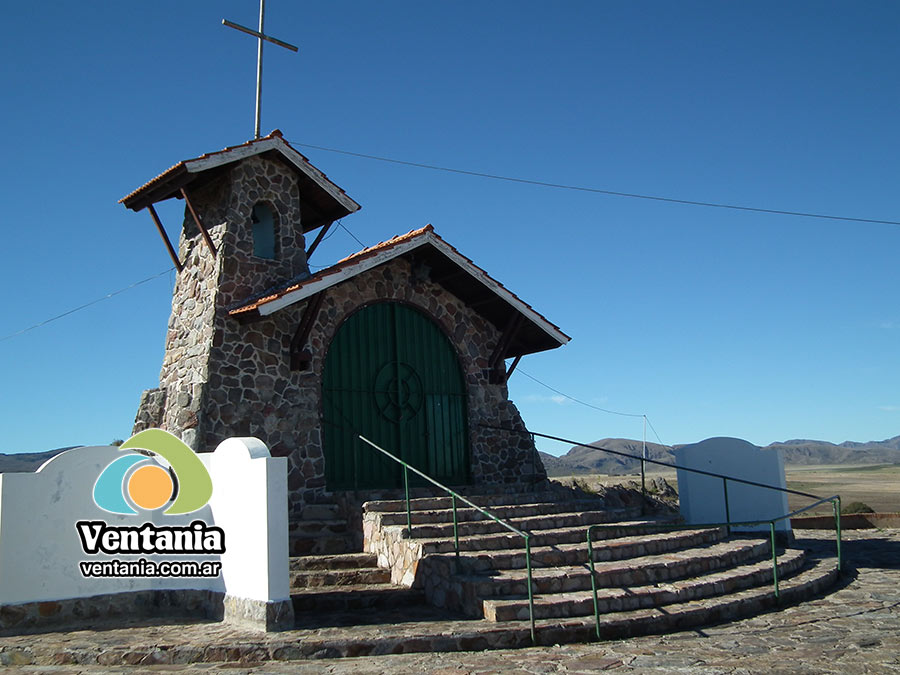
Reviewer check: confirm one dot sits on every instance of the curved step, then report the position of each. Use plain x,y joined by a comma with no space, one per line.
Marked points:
486,501
633,572
576,553
507,540
529,524
813,580
581,603
504,512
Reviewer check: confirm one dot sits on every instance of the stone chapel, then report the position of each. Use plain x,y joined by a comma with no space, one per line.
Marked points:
405,342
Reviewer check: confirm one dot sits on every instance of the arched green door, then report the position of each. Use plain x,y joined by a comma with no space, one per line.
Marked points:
392,375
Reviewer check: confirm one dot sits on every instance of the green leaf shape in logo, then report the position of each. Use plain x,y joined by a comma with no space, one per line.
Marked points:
194,484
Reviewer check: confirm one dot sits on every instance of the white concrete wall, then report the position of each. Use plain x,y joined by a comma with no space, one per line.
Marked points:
702,499
40,548
255,562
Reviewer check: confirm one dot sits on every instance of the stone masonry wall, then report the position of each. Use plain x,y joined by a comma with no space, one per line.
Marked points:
253,391
207,286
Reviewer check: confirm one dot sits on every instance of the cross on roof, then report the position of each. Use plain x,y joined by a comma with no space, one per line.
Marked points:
261,36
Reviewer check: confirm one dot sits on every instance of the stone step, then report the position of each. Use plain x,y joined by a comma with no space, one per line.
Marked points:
333,562
314,528
504,512
486,500
506,540
633,572
531,524
576,553
581,603
814,579
321,545
320,512
363,596
344,577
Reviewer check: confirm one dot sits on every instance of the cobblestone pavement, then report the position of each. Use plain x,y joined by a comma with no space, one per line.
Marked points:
855,629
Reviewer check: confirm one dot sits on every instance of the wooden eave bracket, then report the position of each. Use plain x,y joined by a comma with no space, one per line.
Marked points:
512,366
165,237
196,218
301,357
498,372
318,239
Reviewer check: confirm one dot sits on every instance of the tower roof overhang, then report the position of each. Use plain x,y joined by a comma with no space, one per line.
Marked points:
326,201
446,267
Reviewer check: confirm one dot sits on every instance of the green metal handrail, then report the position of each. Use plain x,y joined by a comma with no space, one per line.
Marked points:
725,478
456,496
836,507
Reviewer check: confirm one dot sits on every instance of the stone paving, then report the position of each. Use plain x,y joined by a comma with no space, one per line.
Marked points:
854,629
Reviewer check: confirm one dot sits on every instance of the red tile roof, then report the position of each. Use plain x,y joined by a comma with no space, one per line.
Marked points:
340,266
329,199
181,165
427,235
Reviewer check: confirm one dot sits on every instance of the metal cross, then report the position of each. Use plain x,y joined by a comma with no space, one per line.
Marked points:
259,54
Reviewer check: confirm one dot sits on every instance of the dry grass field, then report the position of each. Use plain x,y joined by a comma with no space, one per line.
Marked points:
876,485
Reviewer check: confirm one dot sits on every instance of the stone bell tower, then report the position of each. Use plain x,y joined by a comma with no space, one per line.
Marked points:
247,211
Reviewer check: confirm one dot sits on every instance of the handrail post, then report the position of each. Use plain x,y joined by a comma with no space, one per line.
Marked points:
643,487
836,505
727,509
530,591
774,558
408,510
455,527
590,547
643,478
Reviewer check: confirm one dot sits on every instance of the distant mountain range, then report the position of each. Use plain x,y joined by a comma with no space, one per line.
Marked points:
27,461
582,459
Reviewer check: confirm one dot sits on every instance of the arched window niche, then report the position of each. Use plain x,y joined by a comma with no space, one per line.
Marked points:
263,221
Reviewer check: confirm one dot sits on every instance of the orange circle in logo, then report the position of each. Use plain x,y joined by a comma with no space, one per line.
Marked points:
150,487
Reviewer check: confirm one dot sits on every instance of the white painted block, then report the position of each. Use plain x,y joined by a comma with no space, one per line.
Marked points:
702,498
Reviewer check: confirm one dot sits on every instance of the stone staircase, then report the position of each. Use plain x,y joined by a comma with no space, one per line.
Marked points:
332,582
644,567
321,530
651,579
345,582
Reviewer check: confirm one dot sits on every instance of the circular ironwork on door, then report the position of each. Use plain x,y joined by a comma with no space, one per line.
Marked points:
398,392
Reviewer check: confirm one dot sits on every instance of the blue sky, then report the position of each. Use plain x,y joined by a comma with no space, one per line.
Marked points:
710,321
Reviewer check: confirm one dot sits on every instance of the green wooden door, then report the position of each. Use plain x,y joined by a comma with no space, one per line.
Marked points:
392,375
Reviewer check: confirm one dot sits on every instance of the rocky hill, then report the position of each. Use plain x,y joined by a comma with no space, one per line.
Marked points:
581,460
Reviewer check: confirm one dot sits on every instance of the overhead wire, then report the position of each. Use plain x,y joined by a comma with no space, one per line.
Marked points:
481,174
347,230
572,398
602,191
653,430
86,305
590,405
